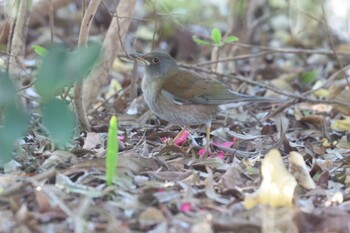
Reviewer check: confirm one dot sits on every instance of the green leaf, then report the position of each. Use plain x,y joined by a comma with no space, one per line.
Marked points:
14,125
81,61
7,91
41,51
14,119
216,36
59,121
231,39
309,77
61,68
112,150
50,77
200,41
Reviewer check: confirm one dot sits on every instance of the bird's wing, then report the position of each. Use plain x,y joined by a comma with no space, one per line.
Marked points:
186,87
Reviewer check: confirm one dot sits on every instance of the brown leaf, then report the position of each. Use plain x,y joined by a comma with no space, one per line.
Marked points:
277,186
337,221
299,170
171,175
92,140
59,159
150,217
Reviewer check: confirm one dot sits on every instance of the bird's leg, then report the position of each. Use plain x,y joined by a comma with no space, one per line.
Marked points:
207,143
178,135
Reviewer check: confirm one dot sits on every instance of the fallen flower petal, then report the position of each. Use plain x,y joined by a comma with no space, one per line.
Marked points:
224,144
164,139
182,139
186,207
220,155
277,186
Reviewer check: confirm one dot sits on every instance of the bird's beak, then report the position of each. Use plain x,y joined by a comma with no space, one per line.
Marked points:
139,57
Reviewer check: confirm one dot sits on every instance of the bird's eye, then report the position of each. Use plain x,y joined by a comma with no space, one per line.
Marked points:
155,60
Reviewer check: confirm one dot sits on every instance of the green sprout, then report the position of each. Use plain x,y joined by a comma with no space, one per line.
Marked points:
41,51
216,39
112,151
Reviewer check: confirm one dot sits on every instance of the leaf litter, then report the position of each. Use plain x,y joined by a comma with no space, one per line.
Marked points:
175,187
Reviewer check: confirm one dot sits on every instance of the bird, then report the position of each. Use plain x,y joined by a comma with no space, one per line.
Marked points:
183,97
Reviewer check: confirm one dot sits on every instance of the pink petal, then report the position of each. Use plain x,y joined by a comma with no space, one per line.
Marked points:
220,155
224,144
164,139
182,139
121,138
202,151
186,207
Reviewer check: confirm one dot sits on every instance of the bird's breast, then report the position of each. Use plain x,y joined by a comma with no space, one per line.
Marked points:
167,109
150,91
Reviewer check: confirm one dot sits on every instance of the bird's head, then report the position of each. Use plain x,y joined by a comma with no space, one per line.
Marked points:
157,64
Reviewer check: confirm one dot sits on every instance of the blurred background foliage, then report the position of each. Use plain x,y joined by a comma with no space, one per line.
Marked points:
57,72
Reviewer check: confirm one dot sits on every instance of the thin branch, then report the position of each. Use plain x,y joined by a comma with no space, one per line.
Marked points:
329,80
236,58
331,44
17,40
118,94
7,21
119,35
155,25
51,22
110,48
290,50
78,89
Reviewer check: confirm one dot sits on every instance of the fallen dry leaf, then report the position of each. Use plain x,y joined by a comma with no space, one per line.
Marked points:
60,159
151,216
299,170
277,186
342,125
92,140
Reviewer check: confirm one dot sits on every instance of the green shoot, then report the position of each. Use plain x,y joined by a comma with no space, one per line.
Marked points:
216,36
231,39
216,39
309,77
41,51
112,151
200,41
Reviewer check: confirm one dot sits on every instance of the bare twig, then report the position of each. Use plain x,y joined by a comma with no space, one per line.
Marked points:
329,80
110,49
236,58
293,101
119,93
5,25
83,7
78,89
290,50
331,45
119,34
17,40
51,22
155,24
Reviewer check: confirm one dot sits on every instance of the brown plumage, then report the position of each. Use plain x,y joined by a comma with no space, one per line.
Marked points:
181,96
